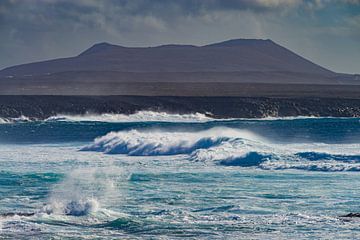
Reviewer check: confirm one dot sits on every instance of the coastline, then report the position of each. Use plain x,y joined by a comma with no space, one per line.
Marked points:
44,106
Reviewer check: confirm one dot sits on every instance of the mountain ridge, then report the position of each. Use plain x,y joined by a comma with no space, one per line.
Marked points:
235,55
233,61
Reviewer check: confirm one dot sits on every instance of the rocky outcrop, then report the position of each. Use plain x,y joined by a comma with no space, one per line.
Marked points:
41,107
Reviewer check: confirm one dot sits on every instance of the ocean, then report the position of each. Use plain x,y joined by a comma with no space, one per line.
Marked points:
168,176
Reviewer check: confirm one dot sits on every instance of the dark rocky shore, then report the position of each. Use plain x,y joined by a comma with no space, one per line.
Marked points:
41,107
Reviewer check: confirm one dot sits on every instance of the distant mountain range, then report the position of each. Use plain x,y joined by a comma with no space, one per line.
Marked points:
105,67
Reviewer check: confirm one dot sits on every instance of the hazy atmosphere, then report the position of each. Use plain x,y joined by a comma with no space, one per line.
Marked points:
324,31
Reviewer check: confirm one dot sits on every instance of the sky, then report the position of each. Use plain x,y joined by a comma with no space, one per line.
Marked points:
326,32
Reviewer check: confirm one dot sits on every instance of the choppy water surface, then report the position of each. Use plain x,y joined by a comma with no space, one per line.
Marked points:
179,176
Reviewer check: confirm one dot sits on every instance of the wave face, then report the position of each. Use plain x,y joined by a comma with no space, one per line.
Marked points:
249,159
231,147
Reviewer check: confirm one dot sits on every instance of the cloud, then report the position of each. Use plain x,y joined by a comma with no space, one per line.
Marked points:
351,1
126,13
41,29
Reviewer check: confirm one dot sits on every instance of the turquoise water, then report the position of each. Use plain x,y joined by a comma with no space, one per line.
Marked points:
257,179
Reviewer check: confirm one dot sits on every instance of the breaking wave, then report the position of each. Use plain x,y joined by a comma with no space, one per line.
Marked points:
231,147
3,120
148,116
80,193
152,116
141,116
14,120
80,207
151,143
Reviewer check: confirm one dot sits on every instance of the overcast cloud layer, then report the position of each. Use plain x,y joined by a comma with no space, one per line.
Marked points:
324,31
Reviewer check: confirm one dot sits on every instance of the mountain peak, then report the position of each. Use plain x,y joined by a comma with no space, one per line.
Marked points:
99,47
241,42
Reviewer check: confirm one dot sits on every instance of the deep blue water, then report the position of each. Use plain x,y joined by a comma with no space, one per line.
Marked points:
258,179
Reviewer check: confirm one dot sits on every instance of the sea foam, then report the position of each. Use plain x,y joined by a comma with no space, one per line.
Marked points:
79,207
80,193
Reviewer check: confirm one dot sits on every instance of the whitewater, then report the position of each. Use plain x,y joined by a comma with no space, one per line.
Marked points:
154,175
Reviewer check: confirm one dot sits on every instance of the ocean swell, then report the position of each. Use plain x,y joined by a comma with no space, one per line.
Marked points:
315,156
